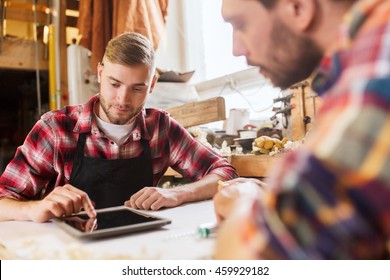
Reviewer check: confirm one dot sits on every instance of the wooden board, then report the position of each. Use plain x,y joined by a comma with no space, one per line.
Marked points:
246,165
306,103
254,166
20,54
196,113
24,12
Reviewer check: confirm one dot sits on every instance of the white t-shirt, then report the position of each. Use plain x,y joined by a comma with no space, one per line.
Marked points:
117,133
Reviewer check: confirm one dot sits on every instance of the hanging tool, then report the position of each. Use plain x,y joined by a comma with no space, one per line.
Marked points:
285,109
285,99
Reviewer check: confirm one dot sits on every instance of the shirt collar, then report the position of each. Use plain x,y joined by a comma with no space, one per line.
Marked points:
330,67
85,122
141,125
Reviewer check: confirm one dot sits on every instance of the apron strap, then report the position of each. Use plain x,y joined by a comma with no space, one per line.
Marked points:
78,158
148,159
81,143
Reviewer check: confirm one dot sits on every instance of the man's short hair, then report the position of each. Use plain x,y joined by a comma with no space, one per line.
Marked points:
130,49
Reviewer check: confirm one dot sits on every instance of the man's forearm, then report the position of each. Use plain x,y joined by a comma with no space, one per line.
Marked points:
12,209
202,189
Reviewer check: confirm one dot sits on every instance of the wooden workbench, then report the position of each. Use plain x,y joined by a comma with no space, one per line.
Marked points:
253,165
246,165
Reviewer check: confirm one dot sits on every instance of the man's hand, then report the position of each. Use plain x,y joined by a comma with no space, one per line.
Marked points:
152,198
230,192
62,201
237,238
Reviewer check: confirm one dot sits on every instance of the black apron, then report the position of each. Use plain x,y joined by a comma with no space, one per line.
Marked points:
110,182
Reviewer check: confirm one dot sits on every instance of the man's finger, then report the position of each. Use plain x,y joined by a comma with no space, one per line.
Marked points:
85,201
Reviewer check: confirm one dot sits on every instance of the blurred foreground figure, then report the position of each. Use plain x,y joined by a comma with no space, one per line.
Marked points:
331,198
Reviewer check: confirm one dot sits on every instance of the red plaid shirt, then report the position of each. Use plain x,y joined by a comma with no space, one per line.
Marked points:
45,159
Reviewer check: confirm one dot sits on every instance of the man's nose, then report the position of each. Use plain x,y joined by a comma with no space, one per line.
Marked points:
123,95
239,48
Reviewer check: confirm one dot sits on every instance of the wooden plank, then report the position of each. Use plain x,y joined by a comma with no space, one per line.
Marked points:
254,165
298,127
196,113
25,15
26,2
24,11
20,54
306,103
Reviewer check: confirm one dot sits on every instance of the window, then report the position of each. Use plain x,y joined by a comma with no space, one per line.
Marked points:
218,47
198,39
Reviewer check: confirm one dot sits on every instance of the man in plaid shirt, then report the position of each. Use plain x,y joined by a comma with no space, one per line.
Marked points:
331,198
110,151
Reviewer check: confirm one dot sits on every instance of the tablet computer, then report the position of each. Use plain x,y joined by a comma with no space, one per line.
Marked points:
109,222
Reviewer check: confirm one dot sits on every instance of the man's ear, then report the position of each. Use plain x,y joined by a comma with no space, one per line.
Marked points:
154,81
299,14
99,69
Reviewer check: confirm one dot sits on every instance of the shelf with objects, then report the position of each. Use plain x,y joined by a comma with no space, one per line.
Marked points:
26,69
253,150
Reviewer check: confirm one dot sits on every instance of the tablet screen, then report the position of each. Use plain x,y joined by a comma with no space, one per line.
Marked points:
106,220
110,221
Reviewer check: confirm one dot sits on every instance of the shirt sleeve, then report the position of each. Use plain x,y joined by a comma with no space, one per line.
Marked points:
194,160
31,169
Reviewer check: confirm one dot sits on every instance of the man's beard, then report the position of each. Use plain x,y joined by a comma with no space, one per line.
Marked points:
298,56
111,118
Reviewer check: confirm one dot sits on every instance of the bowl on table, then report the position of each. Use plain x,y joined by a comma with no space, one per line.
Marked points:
245,143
